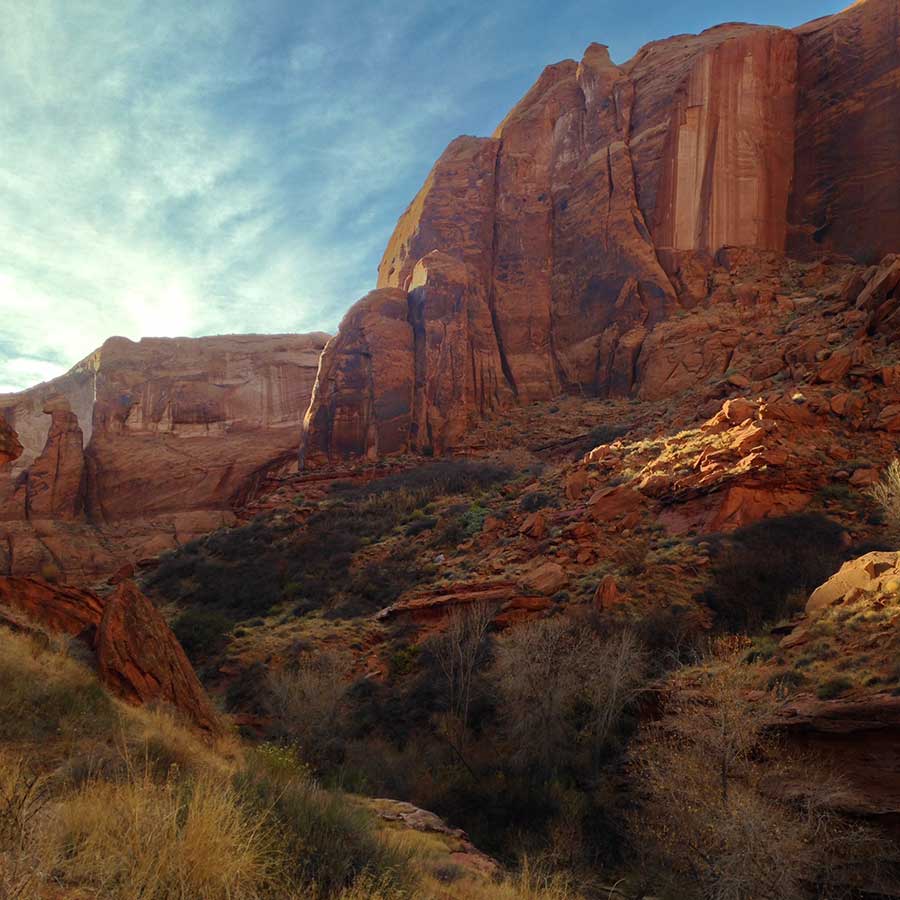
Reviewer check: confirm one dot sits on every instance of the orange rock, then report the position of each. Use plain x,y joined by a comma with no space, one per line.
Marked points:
835,368
846,56
56,607
607,594
744,505
534,526
10,448
614,503
545,577
138,657
846,405
889,418
576,484
864,477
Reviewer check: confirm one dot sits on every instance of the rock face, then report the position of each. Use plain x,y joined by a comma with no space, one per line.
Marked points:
10,448
846,193
58,608
53,486
138,657
144,445
541,260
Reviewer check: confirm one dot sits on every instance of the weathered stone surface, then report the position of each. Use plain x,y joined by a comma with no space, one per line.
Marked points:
56,607
53,486
867,573
362,402
728,161
545,577
140,659
846,195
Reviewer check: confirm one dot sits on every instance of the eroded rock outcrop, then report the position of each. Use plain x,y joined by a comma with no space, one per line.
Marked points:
846,195
597,209
138,657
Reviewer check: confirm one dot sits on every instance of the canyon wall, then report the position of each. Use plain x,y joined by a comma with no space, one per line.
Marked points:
594,212
142,445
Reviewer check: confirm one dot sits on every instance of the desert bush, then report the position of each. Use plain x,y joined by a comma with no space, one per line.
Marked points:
445,477
886,494
758,568
418,526
306,700
201,632
460,652
672,634
834,687
534,501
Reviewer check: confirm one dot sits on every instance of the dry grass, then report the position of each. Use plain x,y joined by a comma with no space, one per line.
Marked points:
142,840
886,494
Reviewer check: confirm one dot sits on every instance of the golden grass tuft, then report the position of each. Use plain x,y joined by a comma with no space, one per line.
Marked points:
142,840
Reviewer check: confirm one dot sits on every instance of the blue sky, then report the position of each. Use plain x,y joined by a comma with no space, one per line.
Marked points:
204,168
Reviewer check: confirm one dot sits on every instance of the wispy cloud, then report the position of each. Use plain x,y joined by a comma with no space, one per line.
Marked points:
172,168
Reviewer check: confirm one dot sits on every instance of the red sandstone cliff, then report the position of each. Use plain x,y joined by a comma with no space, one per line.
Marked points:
540,260
144,445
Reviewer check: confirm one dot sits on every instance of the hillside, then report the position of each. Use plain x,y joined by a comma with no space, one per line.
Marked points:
566,568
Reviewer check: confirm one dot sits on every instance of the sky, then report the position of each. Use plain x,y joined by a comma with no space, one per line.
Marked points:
189,168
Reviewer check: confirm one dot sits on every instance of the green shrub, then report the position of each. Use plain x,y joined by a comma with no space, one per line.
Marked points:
834,687
201,632
534,501
418,526
785,679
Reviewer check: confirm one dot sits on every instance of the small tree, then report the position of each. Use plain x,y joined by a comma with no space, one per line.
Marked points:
306,700
562,687
460,651
715,807
886,494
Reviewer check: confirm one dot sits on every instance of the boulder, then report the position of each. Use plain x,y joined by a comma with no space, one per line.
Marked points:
56,607
534,526
545,577
869,574
140,659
